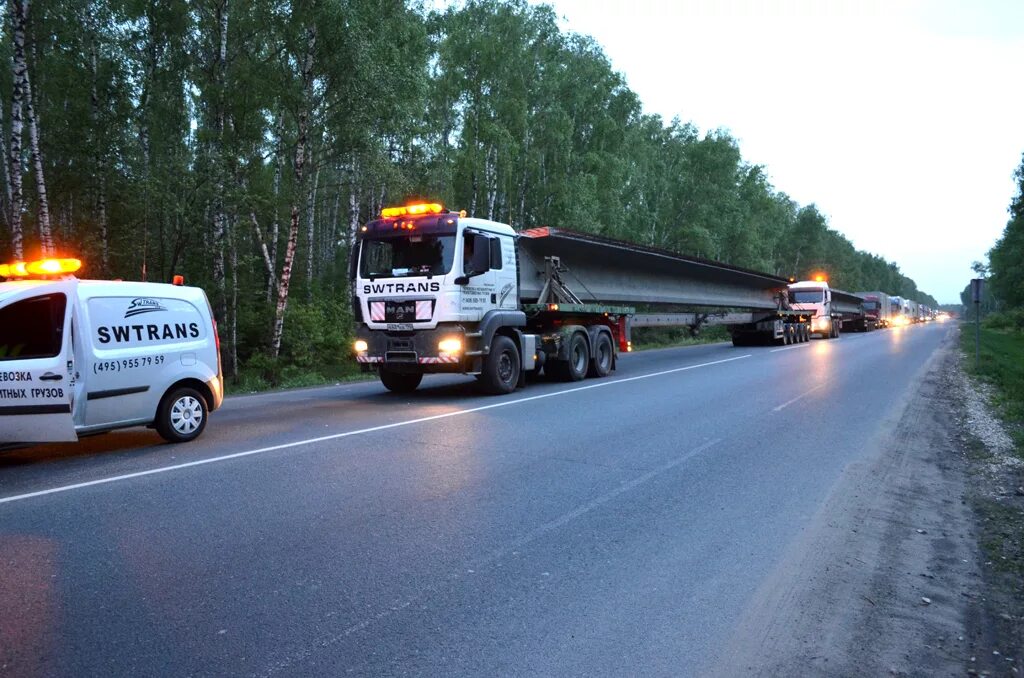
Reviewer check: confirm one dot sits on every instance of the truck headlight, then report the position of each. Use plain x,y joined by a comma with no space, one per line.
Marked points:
450,345
360,346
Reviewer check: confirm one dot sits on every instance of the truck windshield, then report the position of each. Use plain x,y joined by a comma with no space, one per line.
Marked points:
405,256
806,296
870,305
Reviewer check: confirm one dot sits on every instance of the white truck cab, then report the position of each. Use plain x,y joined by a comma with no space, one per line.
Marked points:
815,295
85,356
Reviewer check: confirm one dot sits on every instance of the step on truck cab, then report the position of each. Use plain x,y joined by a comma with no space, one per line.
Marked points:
86,356
436,291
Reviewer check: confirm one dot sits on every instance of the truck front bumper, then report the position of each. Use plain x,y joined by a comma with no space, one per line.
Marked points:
415,352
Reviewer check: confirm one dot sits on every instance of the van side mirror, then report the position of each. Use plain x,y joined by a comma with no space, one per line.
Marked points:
479,259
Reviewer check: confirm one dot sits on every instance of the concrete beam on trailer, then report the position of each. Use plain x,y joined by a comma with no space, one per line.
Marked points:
688,319
846,302
602,270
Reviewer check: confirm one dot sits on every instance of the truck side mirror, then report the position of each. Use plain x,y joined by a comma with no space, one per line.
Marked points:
479,261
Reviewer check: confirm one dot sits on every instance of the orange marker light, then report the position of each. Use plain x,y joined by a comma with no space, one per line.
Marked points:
819,278
410,210
178,280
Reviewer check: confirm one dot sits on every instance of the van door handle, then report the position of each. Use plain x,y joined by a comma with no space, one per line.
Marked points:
50,376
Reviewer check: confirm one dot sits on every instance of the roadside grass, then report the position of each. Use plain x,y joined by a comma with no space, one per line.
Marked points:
266,376
1002,537
1001,364
666,337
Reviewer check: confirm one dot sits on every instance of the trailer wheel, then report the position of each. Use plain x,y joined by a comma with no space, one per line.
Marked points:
601,361
181,416
501,367
398,382
805,332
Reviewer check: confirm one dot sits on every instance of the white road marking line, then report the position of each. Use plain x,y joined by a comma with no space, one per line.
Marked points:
790,348
346,434
487,560
802,395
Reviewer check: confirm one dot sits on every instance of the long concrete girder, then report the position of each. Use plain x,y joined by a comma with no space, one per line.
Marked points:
602,270
846,302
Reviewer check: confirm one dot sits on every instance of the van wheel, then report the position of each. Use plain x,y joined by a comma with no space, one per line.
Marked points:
398,382
501,367
181,416
601,361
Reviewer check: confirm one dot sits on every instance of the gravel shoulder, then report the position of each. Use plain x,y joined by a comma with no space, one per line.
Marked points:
890,578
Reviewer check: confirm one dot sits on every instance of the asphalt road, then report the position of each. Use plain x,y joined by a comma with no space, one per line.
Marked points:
610,527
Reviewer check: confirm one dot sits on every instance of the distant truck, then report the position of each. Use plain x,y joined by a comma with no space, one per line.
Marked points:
877,308
84,356
834,310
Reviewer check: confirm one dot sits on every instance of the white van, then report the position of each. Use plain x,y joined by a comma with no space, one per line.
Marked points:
83,356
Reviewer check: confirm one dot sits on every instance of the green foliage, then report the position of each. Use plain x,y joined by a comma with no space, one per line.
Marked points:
487,105
1006,321
317,333
1007,256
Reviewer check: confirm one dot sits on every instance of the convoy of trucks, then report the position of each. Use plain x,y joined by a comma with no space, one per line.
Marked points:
435,291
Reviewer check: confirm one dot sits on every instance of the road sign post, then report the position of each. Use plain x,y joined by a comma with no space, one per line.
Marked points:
977,286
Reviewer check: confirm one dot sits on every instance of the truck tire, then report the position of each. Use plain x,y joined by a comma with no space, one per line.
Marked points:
501,367
181,416
398,382
575,368
601,361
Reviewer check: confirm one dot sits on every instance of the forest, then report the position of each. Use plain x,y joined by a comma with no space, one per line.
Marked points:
1003,293
242,143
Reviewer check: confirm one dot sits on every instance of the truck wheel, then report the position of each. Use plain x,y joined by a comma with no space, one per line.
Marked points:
601,361
501,367
181,416
398,382
575,368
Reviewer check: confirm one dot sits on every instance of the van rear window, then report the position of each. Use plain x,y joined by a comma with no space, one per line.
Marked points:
32,328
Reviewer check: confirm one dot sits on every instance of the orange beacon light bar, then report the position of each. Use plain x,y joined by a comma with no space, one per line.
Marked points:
22,269
412,210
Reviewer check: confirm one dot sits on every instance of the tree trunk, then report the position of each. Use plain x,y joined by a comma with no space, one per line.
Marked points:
275,224
5,208
353,203
219,215
100,161
263,250
293,227
19,73
45,230
311,231
233,308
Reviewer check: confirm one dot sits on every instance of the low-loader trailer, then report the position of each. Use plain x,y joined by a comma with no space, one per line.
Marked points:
436,291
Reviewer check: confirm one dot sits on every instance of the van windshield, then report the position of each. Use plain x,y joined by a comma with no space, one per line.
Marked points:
806,296
405,256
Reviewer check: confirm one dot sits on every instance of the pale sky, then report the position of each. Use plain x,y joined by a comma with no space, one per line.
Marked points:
903,120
